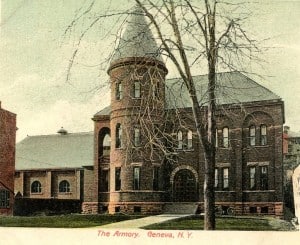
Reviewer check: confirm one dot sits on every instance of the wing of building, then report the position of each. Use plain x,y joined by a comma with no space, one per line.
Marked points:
50,172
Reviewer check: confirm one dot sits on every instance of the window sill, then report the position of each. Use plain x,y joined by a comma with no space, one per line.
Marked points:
185,150
36,193
259,191
65,193
258,146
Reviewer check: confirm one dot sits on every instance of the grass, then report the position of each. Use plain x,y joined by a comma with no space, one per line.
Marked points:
222,223
63,221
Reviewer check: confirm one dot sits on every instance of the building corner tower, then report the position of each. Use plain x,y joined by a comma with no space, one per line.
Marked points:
137,74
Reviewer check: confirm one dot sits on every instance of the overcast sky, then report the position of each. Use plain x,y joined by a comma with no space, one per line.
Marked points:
35,54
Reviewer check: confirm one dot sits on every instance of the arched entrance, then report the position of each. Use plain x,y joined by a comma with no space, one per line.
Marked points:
184,186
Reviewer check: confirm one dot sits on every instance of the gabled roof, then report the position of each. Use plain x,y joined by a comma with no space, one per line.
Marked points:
231,88
72,150
104,112
137,39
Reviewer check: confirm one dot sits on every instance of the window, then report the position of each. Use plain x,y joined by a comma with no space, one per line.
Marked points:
216,178
4,198
136,178
252,135
155,88
36,187
137,89
252,178
179,139
117,179
64,186
264,178
155,178
118,136
225,137
263,134
225,178
190,139
106,145
119,91
104,180
137,137
216,143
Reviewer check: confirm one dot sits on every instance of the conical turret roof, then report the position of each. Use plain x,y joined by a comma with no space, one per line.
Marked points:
137,39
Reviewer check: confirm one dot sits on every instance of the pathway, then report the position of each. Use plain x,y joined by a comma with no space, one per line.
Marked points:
138,223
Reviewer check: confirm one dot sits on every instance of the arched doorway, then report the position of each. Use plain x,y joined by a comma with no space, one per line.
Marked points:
184,186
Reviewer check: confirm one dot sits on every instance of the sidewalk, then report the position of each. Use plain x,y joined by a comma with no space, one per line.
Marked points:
138,223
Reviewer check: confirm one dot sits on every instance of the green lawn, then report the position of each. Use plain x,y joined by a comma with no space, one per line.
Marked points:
63,221
222,223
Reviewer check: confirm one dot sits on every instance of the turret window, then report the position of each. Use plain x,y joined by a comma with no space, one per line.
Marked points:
137,89
118,179
119,91
137,136
118,136
136,178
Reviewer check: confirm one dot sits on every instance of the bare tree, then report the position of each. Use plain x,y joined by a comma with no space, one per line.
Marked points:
192,38
216,48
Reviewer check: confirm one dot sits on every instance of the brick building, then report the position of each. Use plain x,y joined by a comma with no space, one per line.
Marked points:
7,160
50,169
134,172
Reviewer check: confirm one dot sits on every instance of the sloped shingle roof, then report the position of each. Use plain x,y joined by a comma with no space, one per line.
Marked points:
232,88
72,150
137,39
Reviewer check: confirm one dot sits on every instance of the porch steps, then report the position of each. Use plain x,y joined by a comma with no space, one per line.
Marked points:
180,208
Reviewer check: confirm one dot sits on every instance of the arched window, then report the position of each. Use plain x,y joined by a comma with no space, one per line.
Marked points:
263,134
225,137
36,187
179,139
252,135
137,136
118,136
119,91
137,89
190,139
64,186
106,145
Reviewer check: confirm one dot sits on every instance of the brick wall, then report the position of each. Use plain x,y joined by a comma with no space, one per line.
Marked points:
7,156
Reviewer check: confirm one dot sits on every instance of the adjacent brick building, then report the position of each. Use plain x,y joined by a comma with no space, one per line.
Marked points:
50,172
146,150
7,160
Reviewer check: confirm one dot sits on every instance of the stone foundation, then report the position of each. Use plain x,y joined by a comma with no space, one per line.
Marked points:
135,208
90,208
224,208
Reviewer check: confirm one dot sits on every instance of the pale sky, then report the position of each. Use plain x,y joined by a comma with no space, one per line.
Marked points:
34,55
